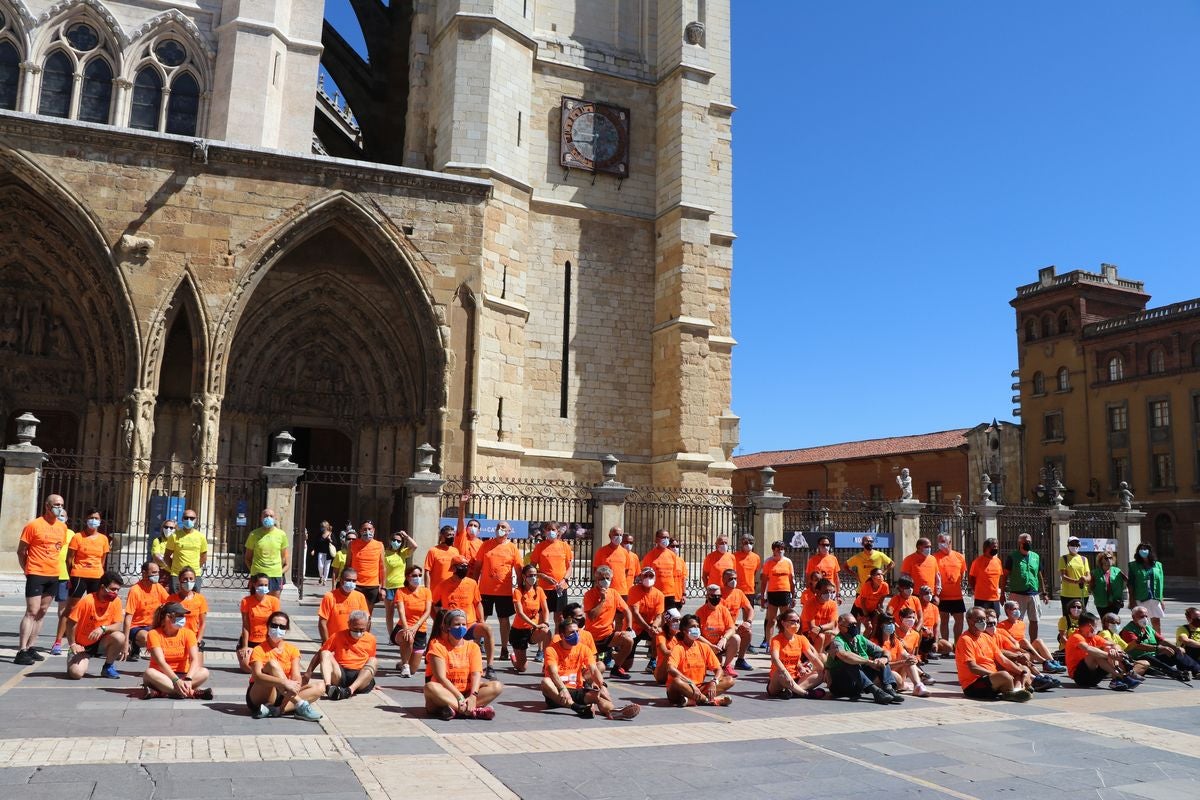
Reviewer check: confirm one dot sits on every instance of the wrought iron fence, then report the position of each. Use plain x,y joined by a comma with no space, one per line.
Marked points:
695,517
958,523
535,502
1013,520
807,518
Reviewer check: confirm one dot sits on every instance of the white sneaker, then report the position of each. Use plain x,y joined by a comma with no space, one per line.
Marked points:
920,691
406,672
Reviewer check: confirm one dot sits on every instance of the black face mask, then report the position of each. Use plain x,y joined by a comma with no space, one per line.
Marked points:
852,630
1025,546
994,551
462,570
714,601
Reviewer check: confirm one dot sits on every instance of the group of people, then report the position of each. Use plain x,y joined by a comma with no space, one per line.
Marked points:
437,614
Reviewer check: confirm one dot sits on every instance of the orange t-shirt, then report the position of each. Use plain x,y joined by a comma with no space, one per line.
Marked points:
818,612
985,577
1015,628
923,569
530,601
572,663
439,565
1075,651
747,565
929,618
779,574
553,557
715,565
899,602
90,550
365,558
460,593
257,610
1006,640
602,626
952,567
791,653
336,606
466,545
197,607
714,621
349,652
828,564
911,640
414,603
667,573
89,615
498,560
869,597
285,654
43,542
459,661
972,648
650,603
620,561
176,650
735,601
142,603
893,646
694,660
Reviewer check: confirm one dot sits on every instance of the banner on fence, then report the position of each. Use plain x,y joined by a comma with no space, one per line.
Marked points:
487,527
841,538
1092,545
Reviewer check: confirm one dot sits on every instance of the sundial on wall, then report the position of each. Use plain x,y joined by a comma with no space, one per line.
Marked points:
595,137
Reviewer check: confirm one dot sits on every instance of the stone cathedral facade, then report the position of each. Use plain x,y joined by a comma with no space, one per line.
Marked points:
185,270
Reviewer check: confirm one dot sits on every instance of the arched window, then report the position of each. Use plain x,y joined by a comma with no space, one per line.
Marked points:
1064,379
1064,322
1039,383
1116,368
1157,362
77,76
1031,329
1196,353
183,109
147,100
58,79
10,63
95,99
1048,325
168,72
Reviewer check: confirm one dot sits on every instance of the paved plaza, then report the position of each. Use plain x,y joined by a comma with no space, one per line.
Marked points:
95,739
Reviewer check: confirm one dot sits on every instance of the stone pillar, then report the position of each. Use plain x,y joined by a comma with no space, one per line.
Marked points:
1060,531
906,529
19,502
768,514
989,524
609,498
424,499
1129,534
282,476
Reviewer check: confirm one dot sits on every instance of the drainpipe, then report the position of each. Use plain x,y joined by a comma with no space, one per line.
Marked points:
471,398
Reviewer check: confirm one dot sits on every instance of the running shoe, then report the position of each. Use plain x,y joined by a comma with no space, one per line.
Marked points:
405,671
56,649
109,671
626,712
816,694
446,713
489,674
35,654
743,665
651,665
22,658
204,694
1118,685
305,710
1019,696
484,713
619,673
730,671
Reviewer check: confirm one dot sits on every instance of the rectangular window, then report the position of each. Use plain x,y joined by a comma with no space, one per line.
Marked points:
934,492
1160,413
1120,470
1164,471
876,493
1196,408
814,498
1118,418
1052,426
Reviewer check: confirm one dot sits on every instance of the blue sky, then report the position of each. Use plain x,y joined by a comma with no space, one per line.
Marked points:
900,167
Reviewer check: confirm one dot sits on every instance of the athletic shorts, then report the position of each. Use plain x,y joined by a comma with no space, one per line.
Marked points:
133,632
390,595
519,638
556,600
41,585
349,676
605,644
981,689
994,605
371,593
1153,607
64,591
277,702
420,639
670,602
502,604
82,586
779,599
1087,677
952,606
274,584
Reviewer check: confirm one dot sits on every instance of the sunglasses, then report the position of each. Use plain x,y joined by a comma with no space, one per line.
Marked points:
193,519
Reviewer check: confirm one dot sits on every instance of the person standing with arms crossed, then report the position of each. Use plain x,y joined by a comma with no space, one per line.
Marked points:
42,539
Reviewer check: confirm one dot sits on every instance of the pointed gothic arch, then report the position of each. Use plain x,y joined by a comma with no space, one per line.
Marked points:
186,300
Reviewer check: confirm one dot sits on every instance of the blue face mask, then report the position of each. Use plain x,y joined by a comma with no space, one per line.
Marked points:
572,638
458,631
94,524
268,522
180,622
889,629
186,524
395,545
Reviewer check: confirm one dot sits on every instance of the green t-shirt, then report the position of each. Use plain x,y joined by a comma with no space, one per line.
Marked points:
1023,569
1147,641
267,546
185,550
859,645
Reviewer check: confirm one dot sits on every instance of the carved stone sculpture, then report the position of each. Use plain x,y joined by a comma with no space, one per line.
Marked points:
904,481
1126,497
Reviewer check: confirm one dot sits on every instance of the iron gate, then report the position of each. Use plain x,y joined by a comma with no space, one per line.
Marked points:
960,524
848,513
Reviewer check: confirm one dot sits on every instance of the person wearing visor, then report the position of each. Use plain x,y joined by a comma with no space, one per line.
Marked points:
176,666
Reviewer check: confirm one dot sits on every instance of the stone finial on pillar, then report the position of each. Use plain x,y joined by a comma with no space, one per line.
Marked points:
986,494
26,431
608,468
425,454
768,513
1056,493
19,502
284,443
424,499
768,479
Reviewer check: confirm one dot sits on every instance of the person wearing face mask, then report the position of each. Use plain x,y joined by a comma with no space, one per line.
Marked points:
531,622
717,561
869,600
1090,659
856,665
621,561
984,673
921,567
85,555
778,588
1146,582
333,615
1069,621
868,559
1039,654
742,611
905,597
367,558
573,678
646,605
952,568
187,548
987,570
453,687
401,546
267,551
747,564
158,545
692,660
193,602
497,567
1108,585
277,685
1187,636
797,670
664,643
325,551
666,566
1144,643
40,552
143,598
92,629
347,659
439,561
466,538
609,621
825,562
63,593
553,558
176,666
410,634
818,616
633,564
256,608
718,628
461,592
1022,674
1075,574
929,621
902,660
1024,580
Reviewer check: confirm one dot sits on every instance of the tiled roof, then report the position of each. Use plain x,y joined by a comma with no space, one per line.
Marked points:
868,448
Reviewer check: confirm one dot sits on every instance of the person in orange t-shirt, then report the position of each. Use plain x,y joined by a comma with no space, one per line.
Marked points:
367,558
142,600
347,660
552,557
869,601
984,576
716,562
466,538
42,540
900,641
496,565
621,561
86,553
797,670
93,628
778,588
462,592
904,598
929,621
439,561
256,608
664,642
633,565
718,628
982,668
742,611
176,667
689,666
453,687
825,562
922,567
573,678
415,602
194,602
747,563
646,606
1091,659
531,622
333,614
277,685
1036,649
818,617
601,605
952,568
665,564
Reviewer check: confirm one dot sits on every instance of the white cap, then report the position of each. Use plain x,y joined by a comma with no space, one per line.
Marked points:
674,613
713,587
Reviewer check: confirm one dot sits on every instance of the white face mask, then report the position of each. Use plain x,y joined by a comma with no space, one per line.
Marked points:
276,633
603,583
722,548
189,585
629,546
648,583
1073,549
153,579
747,547
261,590
472,531
356,634
616,540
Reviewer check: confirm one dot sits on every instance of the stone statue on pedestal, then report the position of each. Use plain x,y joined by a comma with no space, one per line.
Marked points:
1126,496
905,483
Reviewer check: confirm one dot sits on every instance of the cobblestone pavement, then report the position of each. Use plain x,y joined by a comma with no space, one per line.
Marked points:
94,739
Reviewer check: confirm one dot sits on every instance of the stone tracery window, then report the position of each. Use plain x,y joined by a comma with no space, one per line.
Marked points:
77,74
10,63
167,87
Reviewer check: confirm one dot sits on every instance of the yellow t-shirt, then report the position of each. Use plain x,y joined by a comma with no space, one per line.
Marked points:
63,574
185,548
394,561
1113,638
863,564
1076,567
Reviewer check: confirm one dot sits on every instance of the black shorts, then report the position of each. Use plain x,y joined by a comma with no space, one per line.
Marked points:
420,639
578,697
502,604
670,602
994,605
605,644
82,586
349,676
277,702
556,600
779,599
519,638
953,606
371,593
41,585
981,689
133,632
1087,677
